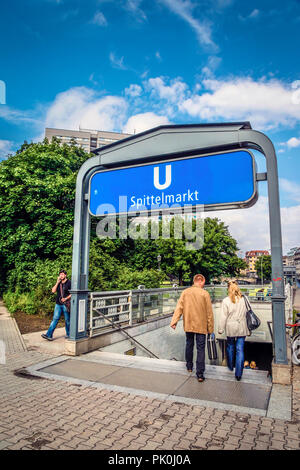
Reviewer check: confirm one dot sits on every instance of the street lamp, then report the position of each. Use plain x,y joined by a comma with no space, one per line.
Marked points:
262,277
159,260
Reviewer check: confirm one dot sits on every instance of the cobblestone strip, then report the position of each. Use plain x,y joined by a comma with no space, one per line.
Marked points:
9,333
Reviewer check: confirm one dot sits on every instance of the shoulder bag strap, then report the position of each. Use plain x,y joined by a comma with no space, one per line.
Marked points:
248,306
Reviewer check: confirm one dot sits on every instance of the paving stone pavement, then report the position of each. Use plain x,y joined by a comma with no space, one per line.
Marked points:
47,414
9,332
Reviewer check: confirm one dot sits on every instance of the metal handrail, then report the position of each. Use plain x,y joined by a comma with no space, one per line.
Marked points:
127,334
172,289
142,304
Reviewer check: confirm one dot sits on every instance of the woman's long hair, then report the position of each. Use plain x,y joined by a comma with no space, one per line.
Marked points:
234,292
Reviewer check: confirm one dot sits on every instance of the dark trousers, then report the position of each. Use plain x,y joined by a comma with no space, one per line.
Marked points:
189,350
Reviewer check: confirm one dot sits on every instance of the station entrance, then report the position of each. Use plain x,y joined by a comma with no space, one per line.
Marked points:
168,145
260,353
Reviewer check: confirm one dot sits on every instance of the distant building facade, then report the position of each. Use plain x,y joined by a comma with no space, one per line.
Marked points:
88,139
290,257
251,257
297,263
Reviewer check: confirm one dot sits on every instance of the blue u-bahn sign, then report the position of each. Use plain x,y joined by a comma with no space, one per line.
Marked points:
219,180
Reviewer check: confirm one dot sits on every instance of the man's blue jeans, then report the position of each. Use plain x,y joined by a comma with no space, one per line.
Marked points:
235,354
189,350
59,309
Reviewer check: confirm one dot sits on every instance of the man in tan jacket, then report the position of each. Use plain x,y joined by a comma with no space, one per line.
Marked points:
198,319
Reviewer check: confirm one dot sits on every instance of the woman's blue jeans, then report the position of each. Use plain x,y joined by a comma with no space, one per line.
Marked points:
235,354
59,309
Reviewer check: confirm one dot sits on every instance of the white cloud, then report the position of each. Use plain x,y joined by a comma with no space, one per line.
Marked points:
117,62
158,56
92,79
184,9
223,3
133,6
133,91
68,15
293,189
265,104
99,19
144,121
17,116
253,15
290,220
82,107
173,93
6,147
250,227
293,142
211,66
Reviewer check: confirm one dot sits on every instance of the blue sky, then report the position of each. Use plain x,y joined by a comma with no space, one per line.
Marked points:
134,64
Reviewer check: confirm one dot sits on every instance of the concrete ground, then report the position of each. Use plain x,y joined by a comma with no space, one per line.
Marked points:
44,408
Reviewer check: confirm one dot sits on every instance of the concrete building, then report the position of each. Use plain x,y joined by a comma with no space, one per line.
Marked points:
297,263
251,257
86,138
290,257
289,273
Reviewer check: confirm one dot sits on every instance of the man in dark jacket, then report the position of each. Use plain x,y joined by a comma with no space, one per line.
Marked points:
62,290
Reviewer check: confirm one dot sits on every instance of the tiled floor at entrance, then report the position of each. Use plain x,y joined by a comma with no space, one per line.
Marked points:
163,378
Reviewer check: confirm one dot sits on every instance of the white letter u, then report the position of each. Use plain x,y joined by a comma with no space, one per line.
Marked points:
168,179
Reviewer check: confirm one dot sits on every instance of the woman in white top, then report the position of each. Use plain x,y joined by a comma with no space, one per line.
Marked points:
233,321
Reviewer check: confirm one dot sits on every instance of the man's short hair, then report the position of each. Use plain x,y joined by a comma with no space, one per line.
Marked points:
198,278
63,271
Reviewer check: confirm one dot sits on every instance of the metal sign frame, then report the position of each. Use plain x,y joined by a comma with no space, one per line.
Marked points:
208,207
169,142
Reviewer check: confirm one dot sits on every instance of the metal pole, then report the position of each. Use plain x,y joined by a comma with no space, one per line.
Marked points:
278,297
130,308
80,260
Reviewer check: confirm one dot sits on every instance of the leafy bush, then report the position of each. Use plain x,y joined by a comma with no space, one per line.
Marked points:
131,279
32,303
37,194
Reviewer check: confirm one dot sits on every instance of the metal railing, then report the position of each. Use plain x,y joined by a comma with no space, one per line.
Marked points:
150,303
254,292
105,306
129,307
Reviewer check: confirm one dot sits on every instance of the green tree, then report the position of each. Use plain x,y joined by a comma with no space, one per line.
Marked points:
216,258
263,267
37,192
109,272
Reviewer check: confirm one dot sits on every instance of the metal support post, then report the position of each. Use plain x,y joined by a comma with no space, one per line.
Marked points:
141,308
